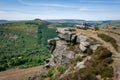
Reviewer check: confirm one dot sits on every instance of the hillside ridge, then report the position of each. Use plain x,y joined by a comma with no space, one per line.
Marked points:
78,50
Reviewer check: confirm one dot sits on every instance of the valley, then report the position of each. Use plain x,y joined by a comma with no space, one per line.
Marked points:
24,48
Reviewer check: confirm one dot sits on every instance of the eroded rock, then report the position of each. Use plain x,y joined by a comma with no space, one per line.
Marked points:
79,66
94,47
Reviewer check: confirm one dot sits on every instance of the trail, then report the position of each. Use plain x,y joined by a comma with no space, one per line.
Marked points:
116,54
91,34
17,74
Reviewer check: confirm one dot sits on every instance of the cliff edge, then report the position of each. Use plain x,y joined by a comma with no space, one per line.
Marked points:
75,56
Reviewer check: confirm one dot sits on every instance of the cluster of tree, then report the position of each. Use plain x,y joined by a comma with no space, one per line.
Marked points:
23,44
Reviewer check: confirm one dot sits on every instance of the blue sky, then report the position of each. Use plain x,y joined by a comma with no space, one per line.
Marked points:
60,9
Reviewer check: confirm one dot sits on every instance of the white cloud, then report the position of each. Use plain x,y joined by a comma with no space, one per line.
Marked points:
101,1
43,4
17,15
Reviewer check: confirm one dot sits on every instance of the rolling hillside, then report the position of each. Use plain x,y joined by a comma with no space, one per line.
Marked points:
23,44
114,23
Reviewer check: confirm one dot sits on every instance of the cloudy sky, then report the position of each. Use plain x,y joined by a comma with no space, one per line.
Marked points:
60,9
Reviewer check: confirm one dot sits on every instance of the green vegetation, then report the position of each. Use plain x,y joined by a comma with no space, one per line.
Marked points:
52,78
50,73
23,44
61,69
109,39
114,32
73,47
89,51
115,23
110,24
75,60
99,64
96,28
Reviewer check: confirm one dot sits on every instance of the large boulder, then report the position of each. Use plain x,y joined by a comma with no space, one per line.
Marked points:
66,36
81,38
82,48
65,33
94,47
63,30
67,56
61,54
79,66
84,45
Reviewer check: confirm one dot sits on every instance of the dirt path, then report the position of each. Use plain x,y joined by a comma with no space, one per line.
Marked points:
116,55
17,74
92,34
115,36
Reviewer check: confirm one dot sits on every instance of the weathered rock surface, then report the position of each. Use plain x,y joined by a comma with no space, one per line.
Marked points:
81,38
58,46
60,54
79,66
94,47
65,33
63,51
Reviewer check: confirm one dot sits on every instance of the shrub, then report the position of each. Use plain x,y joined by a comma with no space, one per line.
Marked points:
50,73
100,63
2,68
88,76
109,39
102,53
96,28
61,69
52,78
108,72
97,51
74,47
89,51
108,60
75,60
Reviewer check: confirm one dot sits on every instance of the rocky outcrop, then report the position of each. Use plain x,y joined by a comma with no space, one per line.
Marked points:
71,53
65,33
75,56
58,47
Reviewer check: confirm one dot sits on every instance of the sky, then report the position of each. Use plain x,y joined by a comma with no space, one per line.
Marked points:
60,9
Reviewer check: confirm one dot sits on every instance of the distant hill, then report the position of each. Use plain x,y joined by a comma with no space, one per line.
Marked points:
112,23
65,20
77,21
4,21
97,23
